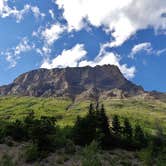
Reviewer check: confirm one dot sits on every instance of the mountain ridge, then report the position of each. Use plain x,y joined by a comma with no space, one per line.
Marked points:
73,82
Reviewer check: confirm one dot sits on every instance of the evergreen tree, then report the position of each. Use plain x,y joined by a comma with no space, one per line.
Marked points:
127,133
104,121
84,130
116,130
127,129
103,127
116,127
139,137
42,132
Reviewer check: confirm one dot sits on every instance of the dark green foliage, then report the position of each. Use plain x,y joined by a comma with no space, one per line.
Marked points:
116,127
31,153
102,127
62,136
16,130
6,160
93,126
91,155
127,129
103,122
70,147
84,130
40,131
158,141
127,133
139,137
46,136
116,131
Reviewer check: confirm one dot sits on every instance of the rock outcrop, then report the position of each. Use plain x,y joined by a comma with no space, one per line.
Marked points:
81,82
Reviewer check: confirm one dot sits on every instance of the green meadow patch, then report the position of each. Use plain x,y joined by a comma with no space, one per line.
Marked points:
145,112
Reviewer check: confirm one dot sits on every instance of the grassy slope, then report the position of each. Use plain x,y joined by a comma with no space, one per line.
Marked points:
142,111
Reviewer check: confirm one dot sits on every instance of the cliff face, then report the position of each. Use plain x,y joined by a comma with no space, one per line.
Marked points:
89,82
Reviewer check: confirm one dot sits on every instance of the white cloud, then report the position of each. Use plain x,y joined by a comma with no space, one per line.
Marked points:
68,58
51,13
13,54
76,56
160,52
141,47
6,11
120,18
36,12
110,58
52,33
48,35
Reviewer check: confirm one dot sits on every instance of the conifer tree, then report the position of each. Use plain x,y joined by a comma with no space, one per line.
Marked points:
127,134
103,127
116,127
127,130
84,130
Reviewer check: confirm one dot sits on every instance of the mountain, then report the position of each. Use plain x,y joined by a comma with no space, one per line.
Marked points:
76,83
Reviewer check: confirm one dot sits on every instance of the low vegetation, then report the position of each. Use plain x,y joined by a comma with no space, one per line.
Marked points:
93,132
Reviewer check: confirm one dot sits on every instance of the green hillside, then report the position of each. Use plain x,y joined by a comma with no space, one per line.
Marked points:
146,112
141,149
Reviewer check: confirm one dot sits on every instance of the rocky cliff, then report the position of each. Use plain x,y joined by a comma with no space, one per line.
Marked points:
78,82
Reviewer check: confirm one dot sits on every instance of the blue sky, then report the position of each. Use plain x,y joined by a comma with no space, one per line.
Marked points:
59,33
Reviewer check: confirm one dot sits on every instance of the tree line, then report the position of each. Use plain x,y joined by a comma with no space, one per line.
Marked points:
46,136
110,134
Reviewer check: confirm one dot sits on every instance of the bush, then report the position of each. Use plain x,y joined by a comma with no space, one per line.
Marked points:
6,161
91,155
140,140
31,153
70,147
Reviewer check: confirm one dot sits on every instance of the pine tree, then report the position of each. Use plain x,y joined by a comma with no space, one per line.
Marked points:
103,127
84,130
104,121
127,133
127,130
116,127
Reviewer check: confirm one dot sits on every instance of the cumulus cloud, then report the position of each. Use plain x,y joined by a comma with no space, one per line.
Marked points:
141,47
6,11
13,54
76,56
121,18
110,58
52,33
68,58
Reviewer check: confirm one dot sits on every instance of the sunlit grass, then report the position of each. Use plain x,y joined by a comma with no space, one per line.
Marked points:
145,112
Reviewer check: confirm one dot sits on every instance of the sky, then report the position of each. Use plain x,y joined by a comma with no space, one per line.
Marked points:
60,33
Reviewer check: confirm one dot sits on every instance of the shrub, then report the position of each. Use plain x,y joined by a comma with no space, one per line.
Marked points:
6,161
31,153
91,155
70,147
139,137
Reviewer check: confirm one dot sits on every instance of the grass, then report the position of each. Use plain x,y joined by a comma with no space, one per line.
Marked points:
146,112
